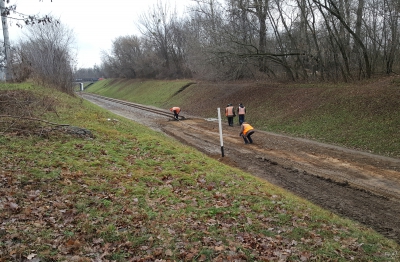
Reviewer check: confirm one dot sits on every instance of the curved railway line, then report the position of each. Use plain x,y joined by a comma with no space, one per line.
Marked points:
134,105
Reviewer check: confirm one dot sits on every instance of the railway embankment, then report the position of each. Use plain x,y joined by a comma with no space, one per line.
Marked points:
362,116
130,193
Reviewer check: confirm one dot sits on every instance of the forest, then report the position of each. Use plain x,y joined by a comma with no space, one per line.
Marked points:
325,40
217,40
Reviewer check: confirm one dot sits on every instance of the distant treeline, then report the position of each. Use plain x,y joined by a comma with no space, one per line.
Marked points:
88,74
86,79
239,39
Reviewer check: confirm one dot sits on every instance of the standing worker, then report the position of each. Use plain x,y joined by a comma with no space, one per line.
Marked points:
246,131
241,112
176,111
230,114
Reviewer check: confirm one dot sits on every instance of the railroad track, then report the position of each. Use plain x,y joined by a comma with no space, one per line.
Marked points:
342,179
134,105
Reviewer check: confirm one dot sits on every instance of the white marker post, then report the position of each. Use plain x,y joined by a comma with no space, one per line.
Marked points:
220,130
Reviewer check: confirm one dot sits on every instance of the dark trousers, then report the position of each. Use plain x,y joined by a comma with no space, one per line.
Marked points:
247,138
241,119
230,120
176,115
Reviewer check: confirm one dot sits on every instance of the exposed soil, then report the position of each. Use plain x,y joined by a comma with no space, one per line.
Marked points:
352,184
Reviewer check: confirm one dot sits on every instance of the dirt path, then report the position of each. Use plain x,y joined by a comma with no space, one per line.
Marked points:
353,184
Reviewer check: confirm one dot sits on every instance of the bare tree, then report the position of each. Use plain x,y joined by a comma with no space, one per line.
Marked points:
48,51
127,52
331,7
161,51
205,40
163,32
383,27
222,40
5,12
260,9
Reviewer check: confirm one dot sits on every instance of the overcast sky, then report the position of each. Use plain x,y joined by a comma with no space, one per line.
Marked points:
96,23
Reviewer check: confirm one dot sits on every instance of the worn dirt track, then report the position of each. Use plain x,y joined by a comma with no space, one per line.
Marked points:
353,184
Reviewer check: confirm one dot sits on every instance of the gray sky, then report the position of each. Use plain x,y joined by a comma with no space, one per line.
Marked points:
95,22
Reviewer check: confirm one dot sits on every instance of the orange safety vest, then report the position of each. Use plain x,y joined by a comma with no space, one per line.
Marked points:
175,108
246,128
229,111
241,110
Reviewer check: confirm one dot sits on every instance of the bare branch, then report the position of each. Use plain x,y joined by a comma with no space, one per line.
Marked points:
32,119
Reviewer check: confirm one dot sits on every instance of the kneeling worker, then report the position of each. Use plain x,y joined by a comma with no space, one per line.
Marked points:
176,111
246,131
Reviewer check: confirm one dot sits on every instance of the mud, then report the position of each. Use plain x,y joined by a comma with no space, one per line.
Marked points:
353,184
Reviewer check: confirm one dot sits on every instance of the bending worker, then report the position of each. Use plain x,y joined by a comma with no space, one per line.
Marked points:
246,131
230,113
176,111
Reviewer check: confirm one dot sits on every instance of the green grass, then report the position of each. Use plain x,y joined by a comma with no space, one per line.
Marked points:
343,124
131,192
154,92
362,116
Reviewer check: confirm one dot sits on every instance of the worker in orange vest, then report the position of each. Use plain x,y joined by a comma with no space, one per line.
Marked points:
230,114
176,110
241,112
246,131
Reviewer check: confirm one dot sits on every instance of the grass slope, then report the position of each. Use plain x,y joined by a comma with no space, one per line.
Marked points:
363,115
128,193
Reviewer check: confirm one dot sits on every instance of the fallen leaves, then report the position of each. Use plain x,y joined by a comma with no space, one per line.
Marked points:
124,201
161,215
13,206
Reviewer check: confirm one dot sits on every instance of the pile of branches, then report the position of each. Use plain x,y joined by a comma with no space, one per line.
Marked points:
22,113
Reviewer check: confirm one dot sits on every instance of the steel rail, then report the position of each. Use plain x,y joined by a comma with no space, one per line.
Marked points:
134,105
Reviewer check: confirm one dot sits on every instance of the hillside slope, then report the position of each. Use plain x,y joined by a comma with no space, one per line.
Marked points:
363,116
82,184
